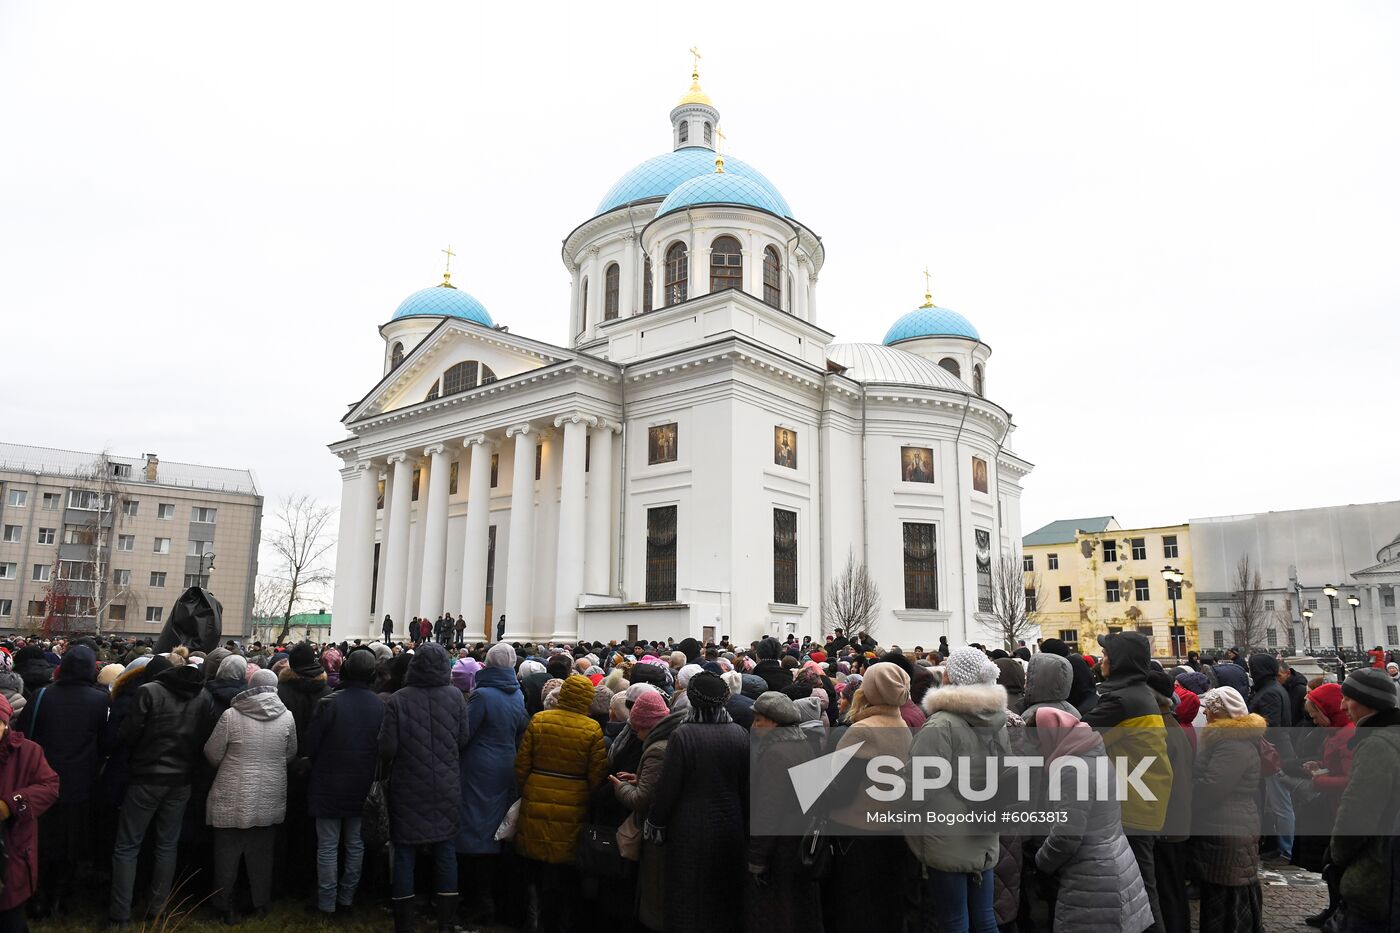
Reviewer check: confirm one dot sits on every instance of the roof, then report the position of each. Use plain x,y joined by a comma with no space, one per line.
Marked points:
875,363
931,321
659,176
1064,530
723,188
75,463
443,301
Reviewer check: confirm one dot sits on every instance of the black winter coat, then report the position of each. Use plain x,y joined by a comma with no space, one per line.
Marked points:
1297,689
702,800
773,673
71,717
788,900
301,695
424,732
223,690
167,727
343,751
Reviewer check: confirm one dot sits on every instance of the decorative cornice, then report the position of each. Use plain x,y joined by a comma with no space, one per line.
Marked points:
577,417
477,439
434,449
517,429
399,457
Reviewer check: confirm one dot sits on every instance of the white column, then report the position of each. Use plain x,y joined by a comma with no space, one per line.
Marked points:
598,557
547,527
626,277
1373,608
799,289
430,598
382,572
400,491
592,302
477,539
354,560
569,568
520,560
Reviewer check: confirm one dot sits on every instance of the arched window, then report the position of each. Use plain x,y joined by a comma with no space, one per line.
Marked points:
709,131
646,287
583,303
677,274
977,378
772,278
951,365
726,264
433,392
487,374
460,378
685,131
396,356
612,278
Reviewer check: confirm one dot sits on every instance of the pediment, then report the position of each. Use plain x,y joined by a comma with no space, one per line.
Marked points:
497,354
1385,568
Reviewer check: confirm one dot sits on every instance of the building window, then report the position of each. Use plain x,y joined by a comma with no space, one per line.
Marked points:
126,542
165,511
612,282
1112,593
1202,612
726,264
200,548
1141,591
434,391
6,608
1315,636
1173,590
161,546
121,578
1225,612
120,470
1169,548
1028,563
539,461
1031,604
1336,635
87,500
84,535
194,579
583,302
157,578
1066,595
677,274
646,285
1145,630
41,573
452,479
116,612
417,476
9,571
1388,600
396,356
1139,548
1110,552
495,469
130,507
17,499
1218,638
154,613
785,557
1052,561
920,566
14,534
36,609
685,131
51,501
661,554
1178,637
1268,605
47,535
203,515
772,278
1070,636
460,378
982,542
977,379
709,132
490,575
1312,604
1392,634
79,570
951,365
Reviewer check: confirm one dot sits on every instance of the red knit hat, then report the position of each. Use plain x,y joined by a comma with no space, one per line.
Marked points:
819,656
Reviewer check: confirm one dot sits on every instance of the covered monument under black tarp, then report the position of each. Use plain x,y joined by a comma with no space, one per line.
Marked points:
196,622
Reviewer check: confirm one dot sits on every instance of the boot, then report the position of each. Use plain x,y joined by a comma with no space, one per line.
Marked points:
403,914
446,913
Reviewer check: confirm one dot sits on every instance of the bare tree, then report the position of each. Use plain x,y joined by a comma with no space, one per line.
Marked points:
83,589
1251,622
269,600
301,538
851,601
1015,611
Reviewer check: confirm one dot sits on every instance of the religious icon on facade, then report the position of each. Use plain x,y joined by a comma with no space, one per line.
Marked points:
983,540
785,448
916,464
979,474
661,443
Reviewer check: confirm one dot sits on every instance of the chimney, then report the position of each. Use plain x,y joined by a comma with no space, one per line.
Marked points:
152,467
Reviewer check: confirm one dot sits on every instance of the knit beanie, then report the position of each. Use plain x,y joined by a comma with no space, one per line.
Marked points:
617,707
263,678
302,660
501,655
359,667
885,685
602,698
1370,687
647,710
777,707
966,666
634,692
707,689
1162,683
6,710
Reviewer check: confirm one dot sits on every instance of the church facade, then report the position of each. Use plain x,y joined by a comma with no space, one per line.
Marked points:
701,459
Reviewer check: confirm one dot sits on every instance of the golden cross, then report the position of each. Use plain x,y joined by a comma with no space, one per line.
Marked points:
719,135
928,291
695,61
447,273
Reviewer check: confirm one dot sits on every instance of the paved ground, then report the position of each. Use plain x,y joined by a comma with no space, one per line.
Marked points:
1290,894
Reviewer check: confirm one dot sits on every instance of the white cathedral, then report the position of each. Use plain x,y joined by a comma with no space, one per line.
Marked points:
701,459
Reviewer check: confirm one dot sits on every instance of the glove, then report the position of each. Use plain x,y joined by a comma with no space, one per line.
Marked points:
758,874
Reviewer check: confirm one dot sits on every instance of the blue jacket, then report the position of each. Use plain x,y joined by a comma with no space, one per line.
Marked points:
497,719
341,745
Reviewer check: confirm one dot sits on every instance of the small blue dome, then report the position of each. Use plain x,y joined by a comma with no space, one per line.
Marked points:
722,188
443,301
658,177
931,322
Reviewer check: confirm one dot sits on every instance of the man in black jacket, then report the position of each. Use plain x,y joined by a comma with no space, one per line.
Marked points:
769,667
1296,686
166,729
1271,701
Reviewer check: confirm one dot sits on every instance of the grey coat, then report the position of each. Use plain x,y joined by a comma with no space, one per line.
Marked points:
1048,681
251,745
1101,890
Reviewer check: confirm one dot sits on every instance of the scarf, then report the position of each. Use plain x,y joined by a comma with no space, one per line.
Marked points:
713,715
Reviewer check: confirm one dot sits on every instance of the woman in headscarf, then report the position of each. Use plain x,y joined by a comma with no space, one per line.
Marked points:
1227,782
1012,676
652,725
464,671
700,809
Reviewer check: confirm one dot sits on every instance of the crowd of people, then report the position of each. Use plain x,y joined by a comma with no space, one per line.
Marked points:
607,786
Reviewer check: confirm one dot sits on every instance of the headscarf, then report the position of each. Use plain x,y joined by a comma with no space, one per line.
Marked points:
464,674
1328,698
501,654
1060,734
1224,702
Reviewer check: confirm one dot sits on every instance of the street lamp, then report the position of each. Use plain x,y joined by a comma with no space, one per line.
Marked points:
1330,592
203,573
1174,578
1353,601
1307,629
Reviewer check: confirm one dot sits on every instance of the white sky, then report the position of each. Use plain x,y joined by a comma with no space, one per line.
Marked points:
1175,223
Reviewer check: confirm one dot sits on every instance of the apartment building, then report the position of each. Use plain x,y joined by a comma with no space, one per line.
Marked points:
94,542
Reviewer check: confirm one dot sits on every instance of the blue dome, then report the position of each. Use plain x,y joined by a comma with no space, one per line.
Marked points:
723,188
658,177
931,322
443,301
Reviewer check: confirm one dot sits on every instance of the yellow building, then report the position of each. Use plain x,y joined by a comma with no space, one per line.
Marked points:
1092,577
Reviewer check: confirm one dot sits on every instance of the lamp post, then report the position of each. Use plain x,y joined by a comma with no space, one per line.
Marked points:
1174,578
1330,592
203,573
1307,629
1353,601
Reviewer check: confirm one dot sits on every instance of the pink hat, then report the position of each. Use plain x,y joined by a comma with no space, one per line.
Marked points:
647,710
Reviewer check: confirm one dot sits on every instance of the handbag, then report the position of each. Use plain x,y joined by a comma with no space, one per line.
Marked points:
1269,761
629,839
374,822
506,830
814,853
598,855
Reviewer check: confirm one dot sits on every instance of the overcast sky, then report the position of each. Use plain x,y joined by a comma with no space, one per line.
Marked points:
1174,223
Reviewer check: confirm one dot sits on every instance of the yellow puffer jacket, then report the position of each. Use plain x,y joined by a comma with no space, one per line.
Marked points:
560,762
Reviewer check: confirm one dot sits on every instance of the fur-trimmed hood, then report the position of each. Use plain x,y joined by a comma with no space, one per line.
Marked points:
290,678
981,705
1244,728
